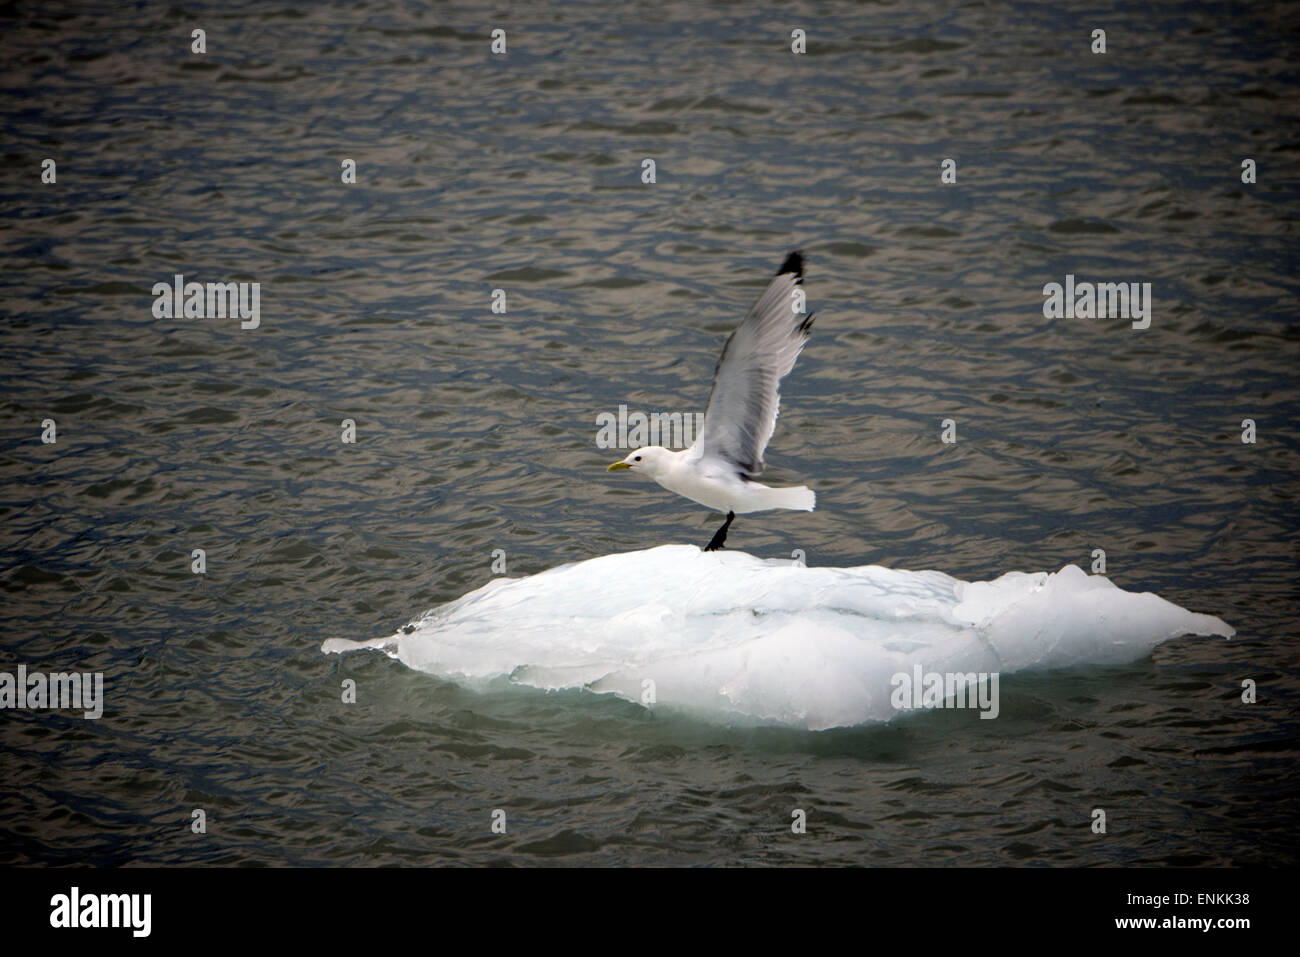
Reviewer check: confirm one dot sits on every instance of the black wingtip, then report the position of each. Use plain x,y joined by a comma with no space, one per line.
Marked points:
793,263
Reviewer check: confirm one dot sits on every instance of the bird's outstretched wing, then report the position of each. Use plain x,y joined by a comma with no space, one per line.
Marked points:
745,398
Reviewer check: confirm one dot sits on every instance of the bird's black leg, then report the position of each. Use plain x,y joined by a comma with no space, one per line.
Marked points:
720,536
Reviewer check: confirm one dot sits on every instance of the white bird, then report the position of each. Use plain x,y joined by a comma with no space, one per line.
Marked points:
718,471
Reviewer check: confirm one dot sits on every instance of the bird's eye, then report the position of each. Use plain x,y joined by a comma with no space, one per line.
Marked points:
637,459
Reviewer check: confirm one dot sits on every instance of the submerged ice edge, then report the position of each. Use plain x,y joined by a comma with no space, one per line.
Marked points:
731,636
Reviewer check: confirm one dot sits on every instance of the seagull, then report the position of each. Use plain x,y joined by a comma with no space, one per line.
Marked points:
718,471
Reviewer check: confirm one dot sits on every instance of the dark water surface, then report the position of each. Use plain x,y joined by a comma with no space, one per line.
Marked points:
476,431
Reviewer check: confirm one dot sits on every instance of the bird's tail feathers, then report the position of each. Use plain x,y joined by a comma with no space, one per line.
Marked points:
801,499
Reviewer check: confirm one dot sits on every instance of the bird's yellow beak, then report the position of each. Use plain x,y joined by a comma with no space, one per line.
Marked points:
618,467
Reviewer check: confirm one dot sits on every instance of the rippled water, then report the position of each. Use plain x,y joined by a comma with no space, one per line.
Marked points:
476,431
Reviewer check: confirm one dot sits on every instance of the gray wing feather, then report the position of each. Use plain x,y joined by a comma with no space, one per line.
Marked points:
745,398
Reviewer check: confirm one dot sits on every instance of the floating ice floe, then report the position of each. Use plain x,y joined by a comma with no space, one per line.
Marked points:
730,637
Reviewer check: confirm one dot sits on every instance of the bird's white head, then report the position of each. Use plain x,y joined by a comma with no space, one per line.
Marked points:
652,459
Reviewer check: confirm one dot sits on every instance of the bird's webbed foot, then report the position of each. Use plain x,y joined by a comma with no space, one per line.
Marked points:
720,536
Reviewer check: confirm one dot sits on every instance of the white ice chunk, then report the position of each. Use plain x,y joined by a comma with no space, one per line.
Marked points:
732,637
